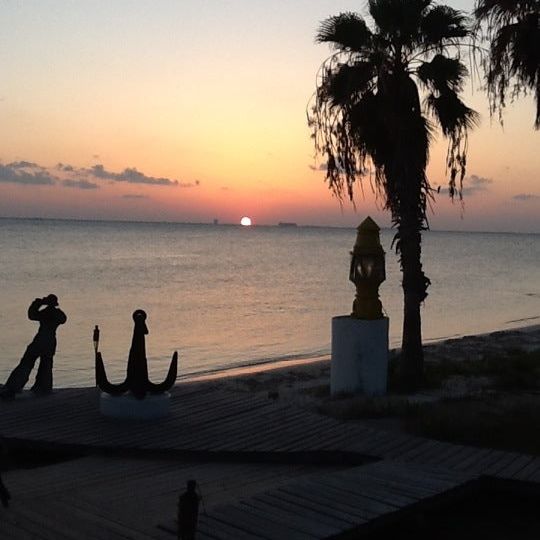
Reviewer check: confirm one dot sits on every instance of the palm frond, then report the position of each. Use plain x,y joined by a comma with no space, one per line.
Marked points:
455,120
442,24
398,18
513,63
500,12
443,73
347,31
345,83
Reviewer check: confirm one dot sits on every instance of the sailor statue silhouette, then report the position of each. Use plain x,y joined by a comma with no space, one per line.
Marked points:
137,381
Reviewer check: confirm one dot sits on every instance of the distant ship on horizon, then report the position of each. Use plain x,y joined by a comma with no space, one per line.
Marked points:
287,224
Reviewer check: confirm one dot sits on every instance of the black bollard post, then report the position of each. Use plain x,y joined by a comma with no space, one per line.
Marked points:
188,512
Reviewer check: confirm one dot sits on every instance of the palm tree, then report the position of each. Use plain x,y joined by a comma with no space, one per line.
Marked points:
512,28
368,120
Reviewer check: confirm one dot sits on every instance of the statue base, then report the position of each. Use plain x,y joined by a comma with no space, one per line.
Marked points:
152,407
359,362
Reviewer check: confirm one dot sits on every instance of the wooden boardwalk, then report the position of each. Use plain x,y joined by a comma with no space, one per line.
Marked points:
330,504
122,498
281,460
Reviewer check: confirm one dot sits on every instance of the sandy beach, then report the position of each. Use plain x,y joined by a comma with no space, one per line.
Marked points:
293,379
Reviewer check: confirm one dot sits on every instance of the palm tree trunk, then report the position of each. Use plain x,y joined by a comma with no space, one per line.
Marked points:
414,290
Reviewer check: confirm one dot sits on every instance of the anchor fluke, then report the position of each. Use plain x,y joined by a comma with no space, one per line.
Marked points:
103,383
137,381
169,381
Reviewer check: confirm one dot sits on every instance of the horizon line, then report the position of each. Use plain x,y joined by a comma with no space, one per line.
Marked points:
228,224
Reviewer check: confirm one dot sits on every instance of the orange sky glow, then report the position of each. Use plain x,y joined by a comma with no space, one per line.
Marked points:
197,111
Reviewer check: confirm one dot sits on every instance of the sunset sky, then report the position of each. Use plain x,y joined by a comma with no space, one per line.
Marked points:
190,110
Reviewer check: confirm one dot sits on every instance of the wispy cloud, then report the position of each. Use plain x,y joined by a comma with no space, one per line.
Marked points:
135,196
132,176
476,180
69,176
79,184
526,197
471,185
62,167
26,173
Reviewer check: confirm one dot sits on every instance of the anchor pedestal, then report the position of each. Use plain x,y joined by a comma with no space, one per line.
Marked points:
126,406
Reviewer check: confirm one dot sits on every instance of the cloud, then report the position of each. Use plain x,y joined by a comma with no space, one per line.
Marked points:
130,175
29,173
24,165
471,185
321,167
79,184
26,173
476,180
526,197
135,196
62,167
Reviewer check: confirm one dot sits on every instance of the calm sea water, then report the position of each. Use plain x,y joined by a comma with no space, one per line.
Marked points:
224,296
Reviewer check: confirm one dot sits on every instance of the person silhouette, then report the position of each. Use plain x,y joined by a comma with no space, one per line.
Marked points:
43,346
188,512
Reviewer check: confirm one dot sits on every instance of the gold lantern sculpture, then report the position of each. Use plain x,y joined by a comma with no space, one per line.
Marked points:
367,271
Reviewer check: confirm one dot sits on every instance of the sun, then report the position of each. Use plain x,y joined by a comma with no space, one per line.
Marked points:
245,221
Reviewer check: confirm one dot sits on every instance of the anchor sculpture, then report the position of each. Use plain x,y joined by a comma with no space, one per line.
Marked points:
137,381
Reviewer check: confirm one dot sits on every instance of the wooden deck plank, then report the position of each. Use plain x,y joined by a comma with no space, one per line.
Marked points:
210,528
445,451
403,447
15,527
369,500
260,526
473,460
313,435
326,524
517,465
335,502
366,508
458,457
242,426
278,516
299,525
500,461
338,437
48,525
426,447
369,446
293,437
279,435
422,478
223,529
529,470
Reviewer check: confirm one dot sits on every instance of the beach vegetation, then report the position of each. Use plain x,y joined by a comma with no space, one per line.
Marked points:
502,421
363,407
511,371
379,99
494,403
512,63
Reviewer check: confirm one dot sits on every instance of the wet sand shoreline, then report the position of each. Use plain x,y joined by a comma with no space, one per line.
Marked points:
462,347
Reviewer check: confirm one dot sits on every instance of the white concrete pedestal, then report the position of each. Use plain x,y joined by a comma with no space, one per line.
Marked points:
128,407
359,362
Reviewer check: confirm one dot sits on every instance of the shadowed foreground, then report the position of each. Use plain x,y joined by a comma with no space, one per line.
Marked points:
263,465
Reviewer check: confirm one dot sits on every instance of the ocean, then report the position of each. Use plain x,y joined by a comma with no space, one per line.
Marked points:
226,296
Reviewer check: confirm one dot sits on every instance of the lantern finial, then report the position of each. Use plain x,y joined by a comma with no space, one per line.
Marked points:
367,271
